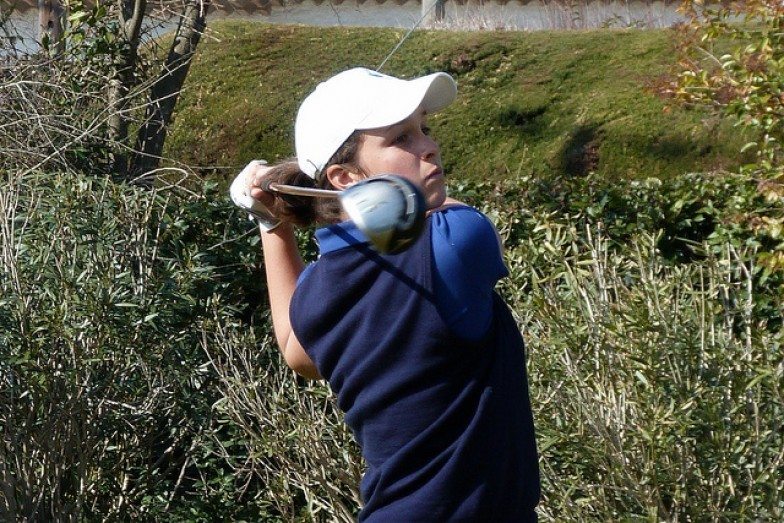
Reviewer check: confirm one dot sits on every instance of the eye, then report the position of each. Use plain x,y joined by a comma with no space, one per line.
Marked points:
426,130
400,139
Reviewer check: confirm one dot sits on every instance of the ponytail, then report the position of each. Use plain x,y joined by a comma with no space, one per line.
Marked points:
303,211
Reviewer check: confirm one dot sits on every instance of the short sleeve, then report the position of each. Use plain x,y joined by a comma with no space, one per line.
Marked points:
467,264
307,270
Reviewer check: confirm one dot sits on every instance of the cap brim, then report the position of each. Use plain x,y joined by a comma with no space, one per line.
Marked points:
432,92
360,99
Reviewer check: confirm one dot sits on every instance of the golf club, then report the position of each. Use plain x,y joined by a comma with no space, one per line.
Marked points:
388,209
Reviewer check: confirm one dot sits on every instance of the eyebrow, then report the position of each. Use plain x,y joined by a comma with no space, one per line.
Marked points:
392,127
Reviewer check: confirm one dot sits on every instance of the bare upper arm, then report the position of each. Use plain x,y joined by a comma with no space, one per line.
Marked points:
298,360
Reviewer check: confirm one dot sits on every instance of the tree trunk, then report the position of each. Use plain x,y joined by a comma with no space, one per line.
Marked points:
131,16
50,25
166,90
433,11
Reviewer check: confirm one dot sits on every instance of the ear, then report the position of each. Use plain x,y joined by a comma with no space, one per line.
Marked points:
340,176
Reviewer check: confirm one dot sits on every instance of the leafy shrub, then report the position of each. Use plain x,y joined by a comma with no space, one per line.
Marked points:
734,64
291,431
656,387
105,392
139,377
693,217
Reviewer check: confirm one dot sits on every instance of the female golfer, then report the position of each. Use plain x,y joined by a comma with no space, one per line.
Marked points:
425,358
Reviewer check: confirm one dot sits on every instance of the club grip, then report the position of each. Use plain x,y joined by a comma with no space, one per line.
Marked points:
267,186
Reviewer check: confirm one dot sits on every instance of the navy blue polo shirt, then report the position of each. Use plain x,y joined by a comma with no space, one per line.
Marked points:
467,263
443,420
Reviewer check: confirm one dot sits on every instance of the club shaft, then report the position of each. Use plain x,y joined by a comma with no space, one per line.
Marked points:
303,191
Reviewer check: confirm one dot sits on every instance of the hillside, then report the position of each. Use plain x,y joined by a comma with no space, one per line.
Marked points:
544,104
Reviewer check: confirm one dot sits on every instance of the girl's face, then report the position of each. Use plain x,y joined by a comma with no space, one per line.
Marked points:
407,150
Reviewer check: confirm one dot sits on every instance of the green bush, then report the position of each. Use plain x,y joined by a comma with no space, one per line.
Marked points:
291,431
733,64
105,391
656,388
139,377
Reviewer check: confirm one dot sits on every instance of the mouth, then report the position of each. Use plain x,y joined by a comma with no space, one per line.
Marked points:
438,173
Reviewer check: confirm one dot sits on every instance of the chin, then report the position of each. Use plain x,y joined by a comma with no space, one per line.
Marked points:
435,201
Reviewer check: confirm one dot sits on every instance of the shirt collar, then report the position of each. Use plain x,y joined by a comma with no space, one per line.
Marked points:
338,236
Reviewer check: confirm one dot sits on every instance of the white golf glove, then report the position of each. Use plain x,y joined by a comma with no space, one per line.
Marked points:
240,195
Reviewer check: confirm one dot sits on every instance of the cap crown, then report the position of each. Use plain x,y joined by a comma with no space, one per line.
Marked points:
359,99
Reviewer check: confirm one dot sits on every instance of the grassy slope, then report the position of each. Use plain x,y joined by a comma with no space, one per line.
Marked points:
543,104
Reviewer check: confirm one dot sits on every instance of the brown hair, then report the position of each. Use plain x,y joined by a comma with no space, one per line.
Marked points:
303,210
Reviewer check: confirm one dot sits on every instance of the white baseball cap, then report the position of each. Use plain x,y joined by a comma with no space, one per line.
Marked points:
359,99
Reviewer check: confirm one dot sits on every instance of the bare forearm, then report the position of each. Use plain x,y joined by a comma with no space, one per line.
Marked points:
282,261
283,265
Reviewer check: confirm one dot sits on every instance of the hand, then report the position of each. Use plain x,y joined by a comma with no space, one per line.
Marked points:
256,172
246,193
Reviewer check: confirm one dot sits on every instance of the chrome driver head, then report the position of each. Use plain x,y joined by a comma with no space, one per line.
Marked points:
388,209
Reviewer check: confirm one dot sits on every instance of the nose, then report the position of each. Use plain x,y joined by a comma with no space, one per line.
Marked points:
430,148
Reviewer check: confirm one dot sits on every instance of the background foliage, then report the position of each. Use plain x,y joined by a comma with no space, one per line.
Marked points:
734,65
139,380
107,292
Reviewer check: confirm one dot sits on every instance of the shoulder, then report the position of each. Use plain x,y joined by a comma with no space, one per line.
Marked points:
464,228
467,264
